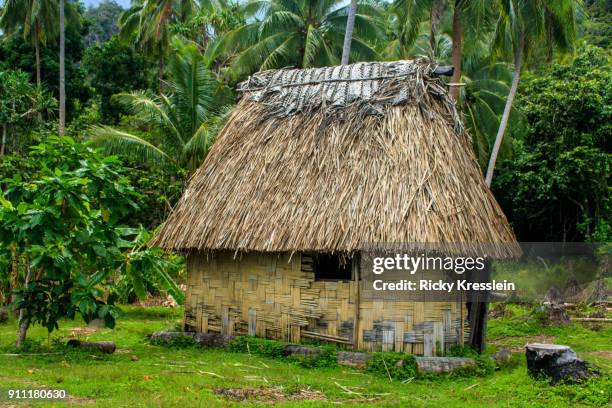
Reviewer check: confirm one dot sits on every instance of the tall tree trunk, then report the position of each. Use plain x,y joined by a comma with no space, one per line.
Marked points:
550,43
348,34
160,72
456,51
437,8
24,322
37,52
3,146
62,73
518,61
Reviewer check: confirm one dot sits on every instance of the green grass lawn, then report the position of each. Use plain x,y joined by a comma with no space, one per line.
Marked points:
139,374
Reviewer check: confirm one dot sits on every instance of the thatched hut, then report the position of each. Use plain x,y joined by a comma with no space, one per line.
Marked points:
312,165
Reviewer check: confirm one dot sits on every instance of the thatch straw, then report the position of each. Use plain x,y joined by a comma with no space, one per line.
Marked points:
305,180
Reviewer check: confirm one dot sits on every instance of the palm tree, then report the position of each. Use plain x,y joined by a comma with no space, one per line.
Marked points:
523,26
480,15
482,101
62,72
185,120
299,33
213,18
486,82
148,22
36,19
409,24
348,34
437,11
457,50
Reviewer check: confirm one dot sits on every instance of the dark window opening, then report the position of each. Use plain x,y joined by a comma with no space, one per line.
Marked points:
332,267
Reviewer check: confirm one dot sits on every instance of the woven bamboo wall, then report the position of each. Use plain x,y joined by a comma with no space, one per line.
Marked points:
275,296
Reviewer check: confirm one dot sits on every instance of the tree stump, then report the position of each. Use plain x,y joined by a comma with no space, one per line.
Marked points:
573,290
103,346
557,362
553,307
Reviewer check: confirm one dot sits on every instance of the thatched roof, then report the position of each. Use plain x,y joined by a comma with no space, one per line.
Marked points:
334,159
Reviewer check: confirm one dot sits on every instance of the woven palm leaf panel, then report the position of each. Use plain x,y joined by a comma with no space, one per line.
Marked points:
271,295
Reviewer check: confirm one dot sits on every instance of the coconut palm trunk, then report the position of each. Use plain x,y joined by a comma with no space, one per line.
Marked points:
437,8
37,52
160,72
348,34
456,51
2,147
62,76
503,124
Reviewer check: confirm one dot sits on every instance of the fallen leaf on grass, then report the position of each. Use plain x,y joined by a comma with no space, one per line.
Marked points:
210,373
471,386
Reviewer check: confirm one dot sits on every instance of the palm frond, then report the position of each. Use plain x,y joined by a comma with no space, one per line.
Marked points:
197,147
114,141
141,104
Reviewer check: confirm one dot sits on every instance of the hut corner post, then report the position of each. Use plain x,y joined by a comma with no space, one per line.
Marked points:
357,342
478,309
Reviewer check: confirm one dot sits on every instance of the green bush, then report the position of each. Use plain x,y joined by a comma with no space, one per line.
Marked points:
256,345
399,366
276,349
459,351
484,366
326,358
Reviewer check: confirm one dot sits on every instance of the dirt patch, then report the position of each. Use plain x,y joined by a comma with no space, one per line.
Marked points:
602,353
20,380
503,342
82,331
79,401
269,394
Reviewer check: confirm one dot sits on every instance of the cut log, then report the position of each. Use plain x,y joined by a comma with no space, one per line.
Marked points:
593,319
557,362
103,346
436,365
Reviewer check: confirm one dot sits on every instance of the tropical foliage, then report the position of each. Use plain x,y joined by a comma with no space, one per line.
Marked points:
61,229
148,22
299,33
522,27
184,118
557,185
21,104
